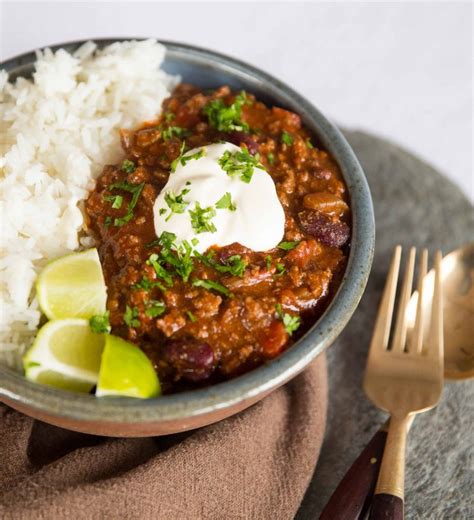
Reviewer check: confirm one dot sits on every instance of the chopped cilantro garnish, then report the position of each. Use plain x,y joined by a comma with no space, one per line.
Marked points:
131,317
227,118
135,190
116,200
100,323
209,284
184,159
309,144
290,322
173,131
280,269
107,221
201,219
191,316
180,258
271,158
286,246
162,211
234,265
160,271
268,261
147,285
155,308
128,166
240,163
286,138
225,202
176,203
169,116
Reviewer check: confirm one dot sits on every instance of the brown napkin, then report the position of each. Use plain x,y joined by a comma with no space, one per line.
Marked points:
255,465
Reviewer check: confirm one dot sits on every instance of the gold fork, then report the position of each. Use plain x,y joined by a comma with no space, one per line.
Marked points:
403,377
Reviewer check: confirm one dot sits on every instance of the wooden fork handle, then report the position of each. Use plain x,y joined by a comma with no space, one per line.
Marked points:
352,496
387,503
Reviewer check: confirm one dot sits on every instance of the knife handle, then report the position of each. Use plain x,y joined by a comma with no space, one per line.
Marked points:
352,496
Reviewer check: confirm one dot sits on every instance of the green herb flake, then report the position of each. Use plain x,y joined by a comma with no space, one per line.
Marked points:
155,308
184,159
131,317
173,131
227,118
116,200
234,265
176,203
280,269
160,271
287,246
128,166
146,285
180,258
191,316
309,144
225,202
291,323
211,285
240,164
271,159
201,219
100,324
169,116
286,138
135,190
107,222
268,261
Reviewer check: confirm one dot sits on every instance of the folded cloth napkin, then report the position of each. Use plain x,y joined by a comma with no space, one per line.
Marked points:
255,465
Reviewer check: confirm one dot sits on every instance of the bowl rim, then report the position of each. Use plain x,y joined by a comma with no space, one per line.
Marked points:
261,380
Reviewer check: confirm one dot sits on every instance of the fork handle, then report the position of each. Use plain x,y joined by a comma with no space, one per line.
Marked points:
352,495
387,503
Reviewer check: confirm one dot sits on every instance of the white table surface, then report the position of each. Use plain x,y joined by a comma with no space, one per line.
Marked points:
399,70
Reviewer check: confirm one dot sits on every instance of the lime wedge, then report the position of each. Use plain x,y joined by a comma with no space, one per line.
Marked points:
66,354
72,287
126,370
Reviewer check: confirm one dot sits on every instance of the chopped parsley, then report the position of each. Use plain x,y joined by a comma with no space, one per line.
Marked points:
155,308
268,261
209,284
280,269
290,322
234,265
309,144
227,118
191,316
201,219
135,190
128,166
169,116
160,271
240,163
100,323
271,158
173,131
131,317
225,202
116,200
286,246
180,259
184,159
176,203
286,138
146,285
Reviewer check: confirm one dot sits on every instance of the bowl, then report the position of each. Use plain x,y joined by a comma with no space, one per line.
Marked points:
119,416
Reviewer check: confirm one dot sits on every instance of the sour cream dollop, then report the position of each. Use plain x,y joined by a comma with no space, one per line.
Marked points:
257,222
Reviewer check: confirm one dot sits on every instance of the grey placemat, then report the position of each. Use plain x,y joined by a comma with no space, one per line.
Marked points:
414,205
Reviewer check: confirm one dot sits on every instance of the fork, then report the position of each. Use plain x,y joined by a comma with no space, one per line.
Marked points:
404,376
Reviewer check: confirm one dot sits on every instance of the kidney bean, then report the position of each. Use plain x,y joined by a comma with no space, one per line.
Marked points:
326,203
240,138
321,227
192,361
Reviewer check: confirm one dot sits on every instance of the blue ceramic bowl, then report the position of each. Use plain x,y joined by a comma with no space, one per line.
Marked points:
173,413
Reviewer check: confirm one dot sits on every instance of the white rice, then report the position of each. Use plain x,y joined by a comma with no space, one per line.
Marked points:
56,134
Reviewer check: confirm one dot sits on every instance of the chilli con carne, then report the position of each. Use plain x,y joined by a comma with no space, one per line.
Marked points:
202,318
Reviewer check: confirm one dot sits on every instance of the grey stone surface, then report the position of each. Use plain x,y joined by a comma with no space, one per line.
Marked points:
414,205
